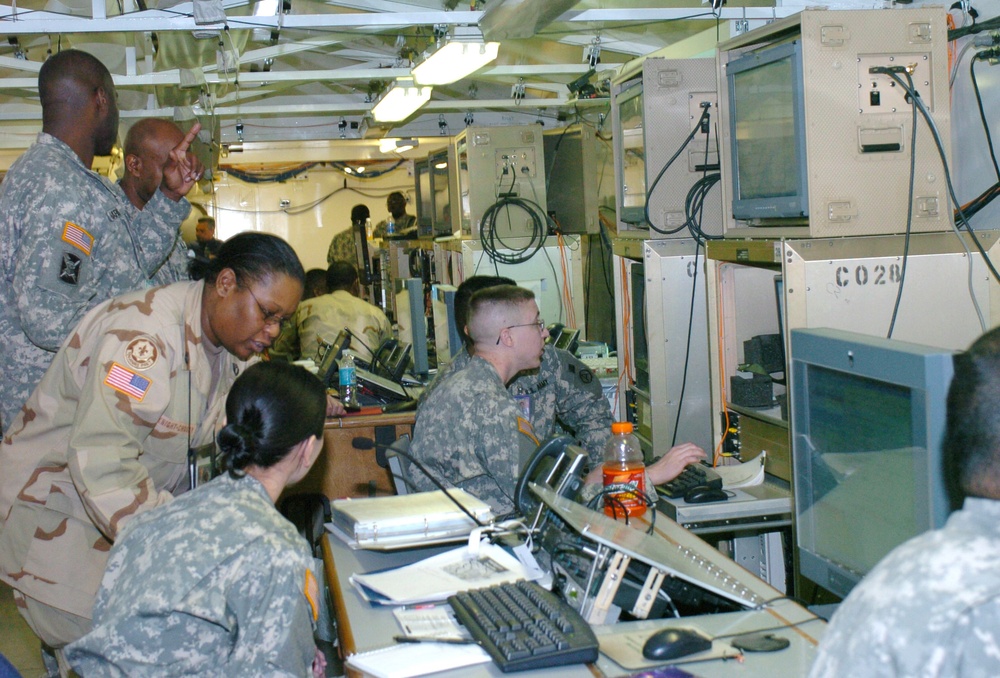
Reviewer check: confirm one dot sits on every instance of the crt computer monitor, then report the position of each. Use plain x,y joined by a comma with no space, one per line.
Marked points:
868,419
768,134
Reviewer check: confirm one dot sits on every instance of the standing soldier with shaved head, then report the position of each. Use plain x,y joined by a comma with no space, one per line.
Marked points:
67,241
147,151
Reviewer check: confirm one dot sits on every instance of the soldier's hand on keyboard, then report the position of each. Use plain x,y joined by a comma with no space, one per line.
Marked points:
670,465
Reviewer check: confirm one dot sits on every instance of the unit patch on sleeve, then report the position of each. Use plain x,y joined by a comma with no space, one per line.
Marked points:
128,382
78,238
69,270
141,353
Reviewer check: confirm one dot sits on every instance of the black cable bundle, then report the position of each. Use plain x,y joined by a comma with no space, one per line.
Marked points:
492,243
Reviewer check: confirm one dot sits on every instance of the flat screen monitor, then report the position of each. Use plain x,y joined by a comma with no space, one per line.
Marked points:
425,197
412,322
440,193
868,418
767,133
447,341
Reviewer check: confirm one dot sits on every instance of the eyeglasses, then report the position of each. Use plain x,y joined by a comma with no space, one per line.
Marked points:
540,324
271,318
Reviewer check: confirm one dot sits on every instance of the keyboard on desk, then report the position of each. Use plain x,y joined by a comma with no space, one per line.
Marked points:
693,475
522,626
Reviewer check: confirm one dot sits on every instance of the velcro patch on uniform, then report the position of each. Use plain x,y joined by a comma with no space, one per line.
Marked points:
141,353
128,382
311,589
524,426
69,269
586,376
78,238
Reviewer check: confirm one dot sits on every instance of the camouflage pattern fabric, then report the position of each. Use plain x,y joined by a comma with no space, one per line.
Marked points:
563,395
67,243
175,268
104,437
212,584
323,318
929,608
470,434
342,247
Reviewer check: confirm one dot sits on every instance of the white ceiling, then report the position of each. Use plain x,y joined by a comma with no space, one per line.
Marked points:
328,58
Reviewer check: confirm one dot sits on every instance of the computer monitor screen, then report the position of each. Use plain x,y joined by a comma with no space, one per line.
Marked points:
425,197
767,132
441,193
447,341
412,323
868,418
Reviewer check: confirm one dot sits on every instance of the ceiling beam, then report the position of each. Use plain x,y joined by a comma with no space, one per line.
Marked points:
22,22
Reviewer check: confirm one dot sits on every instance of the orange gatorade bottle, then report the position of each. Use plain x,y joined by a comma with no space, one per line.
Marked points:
624,473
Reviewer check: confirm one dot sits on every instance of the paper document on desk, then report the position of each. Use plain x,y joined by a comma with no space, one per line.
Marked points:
434,579
747,474
416,659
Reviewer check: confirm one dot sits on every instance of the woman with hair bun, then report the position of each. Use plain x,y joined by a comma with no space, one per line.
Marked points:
135,391
218,582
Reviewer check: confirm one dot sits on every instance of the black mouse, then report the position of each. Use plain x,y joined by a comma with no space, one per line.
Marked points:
700,494
673,643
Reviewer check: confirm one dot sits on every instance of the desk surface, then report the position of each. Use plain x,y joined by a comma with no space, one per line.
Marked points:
362,627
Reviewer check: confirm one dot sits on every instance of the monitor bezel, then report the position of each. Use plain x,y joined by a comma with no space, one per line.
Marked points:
925,371
778,207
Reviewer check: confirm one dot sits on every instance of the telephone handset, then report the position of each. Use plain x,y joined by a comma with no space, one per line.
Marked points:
564,473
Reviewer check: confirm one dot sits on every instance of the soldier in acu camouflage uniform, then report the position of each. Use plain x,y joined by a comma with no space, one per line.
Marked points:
147,151
561,394
66,240
139,382
932,606
218,582
470,432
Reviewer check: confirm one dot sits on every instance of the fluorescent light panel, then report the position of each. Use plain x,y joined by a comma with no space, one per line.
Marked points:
401,101
454,60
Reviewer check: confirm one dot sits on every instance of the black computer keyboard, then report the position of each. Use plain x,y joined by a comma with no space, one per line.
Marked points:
522,626
693,475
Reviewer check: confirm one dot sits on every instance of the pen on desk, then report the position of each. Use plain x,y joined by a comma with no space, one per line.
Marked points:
432,639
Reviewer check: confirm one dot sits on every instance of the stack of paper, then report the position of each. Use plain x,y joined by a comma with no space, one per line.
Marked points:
434,579
422,518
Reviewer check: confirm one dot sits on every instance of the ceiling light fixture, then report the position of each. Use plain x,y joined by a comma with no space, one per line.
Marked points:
464,54
387,145
402,99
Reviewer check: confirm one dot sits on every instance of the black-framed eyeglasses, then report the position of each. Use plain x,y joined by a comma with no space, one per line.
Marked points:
271,318
540,324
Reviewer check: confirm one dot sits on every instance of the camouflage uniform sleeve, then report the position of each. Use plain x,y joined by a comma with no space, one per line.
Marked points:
120,406
275,617
156,229
581,405
470,434
286,345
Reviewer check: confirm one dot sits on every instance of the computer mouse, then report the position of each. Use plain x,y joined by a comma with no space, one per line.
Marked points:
701,494
673,643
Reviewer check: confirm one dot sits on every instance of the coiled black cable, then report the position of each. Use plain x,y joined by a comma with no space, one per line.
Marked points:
493,243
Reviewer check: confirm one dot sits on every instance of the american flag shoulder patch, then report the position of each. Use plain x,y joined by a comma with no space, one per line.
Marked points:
128,382
78,238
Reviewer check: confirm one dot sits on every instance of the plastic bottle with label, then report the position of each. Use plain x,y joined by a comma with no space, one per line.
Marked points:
624,473
390,227
348,377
